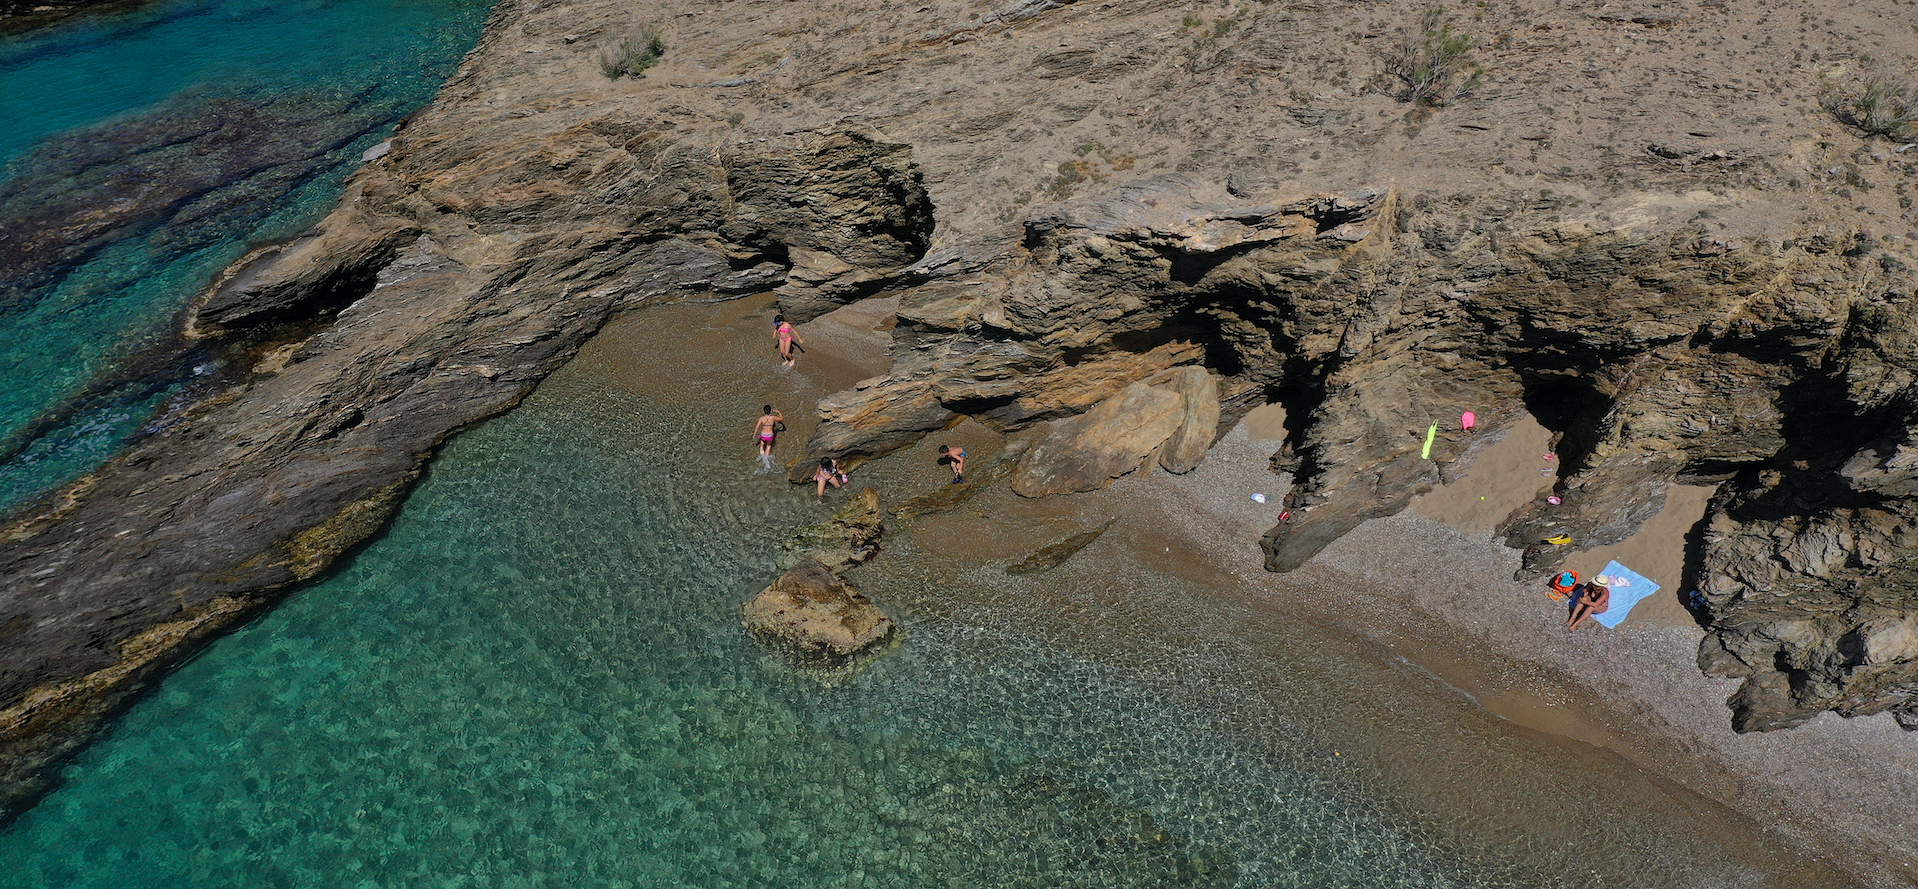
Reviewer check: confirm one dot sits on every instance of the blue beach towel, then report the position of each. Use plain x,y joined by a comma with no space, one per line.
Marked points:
1624,597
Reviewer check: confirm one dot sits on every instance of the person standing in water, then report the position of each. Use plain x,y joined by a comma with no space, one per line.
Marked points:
956,458
770,422
788,337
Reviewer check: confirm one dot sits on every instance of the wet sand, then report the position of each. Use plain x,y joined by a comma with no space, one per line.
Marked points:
1412,661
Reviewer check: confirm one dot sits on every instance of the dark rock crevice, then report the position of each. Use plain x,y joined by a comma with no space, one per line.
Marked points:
1651,358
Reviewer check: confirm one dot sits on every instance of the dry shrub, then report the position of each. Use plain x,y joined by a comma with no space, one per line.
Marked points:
1432,64
632,55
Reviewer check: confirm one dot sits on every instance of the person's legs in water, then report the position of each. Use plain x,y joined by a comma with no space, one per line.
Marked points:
768,431
955,458
828,474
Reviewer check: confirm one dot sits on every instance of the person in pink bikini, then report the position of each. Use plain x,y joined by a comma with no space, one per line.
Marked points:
787,337
768,431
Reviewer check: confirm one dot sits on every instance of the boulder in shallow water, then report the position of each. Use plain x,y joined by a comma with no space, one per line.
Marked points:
850,537
1189,443
815,618
1086,452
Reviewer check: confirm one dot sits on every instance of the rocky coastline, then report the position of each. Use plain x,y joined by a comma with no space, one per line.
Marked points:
1069,200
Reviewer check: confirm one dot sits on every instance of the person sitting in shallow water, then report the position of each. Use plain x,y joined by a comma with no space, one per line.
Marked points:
1592,600
829,473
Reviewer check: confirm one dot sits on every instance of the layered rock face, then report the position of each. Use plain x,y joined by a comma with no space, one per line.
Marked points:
461,269
1683,264
1656,354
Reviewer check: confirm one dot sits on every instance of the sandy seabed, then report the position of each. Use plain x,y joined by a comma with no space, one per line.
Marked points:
1439,680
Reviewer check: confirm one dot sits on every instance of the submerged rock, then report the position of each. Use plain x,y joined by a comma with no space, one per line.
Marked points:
815,618
849,538
184,176
1054,555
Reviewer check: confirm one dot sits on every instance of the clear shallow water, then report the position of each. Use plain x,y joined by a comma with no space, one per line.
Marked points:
537,678
102,82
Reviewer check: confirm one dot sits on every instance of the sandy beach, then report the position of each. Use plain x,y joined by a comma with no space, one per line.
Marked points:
1450,605
1405,653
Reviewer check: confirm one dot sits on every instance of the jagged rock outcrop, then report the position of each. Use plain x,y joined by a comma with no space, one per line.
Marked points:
461,268
849,538
815,618
1723,300
1089,450
1655,352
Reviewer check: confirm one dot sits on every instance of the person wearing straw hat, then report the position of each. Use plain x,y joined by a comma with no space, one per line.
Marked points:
1596,597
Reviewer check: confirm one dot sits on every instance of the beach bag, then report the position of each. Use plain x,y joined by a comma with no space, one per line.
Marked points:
1562,585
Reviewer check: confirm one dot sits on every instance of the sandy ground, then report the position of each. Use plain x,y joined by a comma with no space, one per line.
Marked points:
1834,784
1453,687
1519,465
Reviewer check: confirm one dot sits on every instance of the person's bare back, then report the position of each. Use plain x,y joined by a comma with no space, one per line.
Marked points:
767,431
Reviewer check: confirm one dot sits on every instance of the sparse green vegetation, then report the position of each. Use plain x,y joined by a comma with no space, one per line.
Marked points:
632,55
1432,64
1881,106
1095,164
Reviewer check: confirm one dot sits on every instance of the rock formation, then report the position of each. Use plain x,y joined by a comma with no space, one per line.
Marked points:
847,539
1183,451
1684,265
1112,439
815,618
460,269
1177,421
1053,555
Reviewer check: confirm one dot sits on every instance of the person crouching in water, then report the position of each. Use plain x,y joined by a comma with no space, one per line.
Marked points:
956,458
1596,597
829,474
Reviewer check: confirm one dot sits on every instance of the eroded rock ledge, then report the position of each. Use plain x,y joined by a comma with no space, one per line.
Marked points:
1773,367
1727,305
428,310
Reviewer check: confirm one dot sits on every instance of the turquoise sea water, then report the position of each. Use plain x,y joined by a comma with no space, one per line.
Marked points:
118,85
537,678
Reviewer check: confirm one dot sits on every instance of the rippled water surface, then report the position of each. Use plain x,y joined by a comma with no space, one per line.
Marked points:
77,349
537,678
